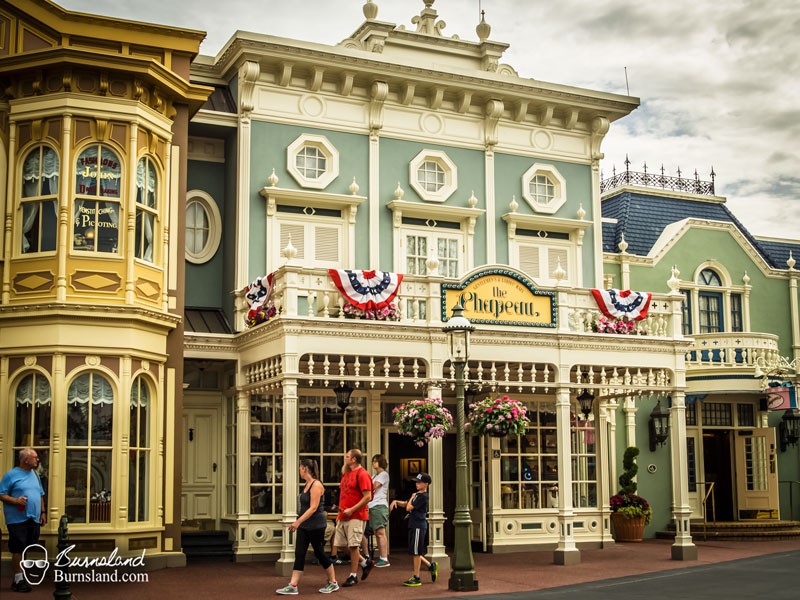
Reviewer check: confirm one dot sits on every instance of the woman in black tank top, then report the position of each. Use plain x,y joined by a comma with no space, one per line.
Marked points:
310,527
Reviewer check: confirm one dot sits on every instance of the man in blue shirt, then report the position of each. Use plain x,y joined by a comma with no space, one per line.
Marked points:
22,496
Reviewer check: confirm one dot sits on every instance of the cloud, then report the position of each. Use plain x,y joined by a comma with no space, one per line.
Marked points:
719,82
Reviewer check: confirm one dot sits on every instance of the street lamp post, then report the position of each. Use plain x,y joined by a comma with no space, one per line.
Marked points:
462,575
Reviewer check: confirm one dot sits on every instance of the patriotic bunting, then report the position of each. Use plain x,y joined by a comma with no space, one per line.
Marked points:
258,294
623,303
367,290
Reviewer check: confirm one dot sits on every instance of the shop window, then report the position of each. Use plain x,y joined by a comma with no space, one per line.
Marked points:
529,463
691,463
90,427
539,259
230,456
33,403
584,462
139,452
445,246
686,311
146,208
98,180
717,414
266,455
327,432
737,324
39,200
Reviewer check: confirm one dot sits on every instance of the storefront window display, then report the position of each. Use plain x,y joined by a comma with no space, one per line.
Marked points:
266,455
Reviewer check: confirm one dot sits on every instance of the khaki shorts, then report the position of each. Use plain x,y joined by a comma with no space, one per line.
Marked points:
348,533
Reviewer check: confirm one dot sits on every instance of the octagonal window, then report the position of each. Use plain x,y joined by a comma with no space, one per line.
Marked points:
544,188
313,161
433,175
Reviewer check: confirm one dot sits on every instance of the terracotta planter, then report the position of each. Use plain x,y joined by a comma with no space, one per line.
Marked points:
627,530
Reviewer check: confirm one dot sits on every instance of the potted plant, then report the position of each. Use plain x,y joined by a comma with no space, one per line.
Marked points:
498,417
423,420
629,511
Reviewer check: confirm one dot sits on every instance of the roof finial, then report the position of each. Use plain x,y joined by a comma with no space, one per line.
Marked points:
483,29
370,10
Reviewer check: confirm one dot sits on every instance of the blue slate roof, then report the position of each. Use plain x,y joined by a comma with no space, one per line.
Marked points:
643,217
779,252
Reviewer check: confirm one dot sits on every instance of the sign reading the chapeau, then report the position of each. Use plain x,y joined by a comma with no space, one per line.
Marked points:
500,297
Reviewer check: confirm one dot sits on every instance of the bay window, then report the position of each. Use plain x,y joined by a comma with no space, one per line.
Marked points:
98,180
39,200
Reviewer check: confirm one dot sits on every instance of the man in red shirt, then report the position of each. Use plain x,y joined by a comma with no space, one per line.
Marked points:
355,491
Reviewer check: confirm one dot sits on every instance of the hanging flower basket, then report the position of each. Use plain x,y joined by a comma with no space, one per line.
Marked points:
422,420
498,417
388,312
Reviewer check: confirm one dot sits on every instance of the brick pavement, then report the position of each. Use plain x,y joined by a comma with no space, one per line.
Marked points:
496,573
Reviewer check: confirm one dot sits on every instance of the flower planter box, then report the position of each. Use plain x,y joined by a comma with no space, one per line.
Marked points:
627,529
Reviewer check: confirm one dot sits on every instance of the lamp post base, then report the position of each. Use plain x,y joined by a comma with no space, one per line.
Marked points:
463,581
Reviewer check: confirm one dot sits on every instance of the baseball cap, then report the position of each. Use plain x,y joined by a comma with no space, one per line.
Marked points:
422,477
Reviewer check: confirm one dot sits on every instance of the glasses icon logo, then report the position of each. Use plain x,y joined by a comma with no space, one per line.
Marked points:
34,564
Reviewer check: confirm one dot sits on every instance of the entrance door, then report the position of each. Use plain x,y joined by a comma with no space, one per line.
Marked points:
756,472
717,469
200,464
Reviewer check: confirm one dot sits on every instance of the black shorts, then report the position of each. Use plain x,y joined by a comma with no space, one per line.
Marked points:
416,541
22,535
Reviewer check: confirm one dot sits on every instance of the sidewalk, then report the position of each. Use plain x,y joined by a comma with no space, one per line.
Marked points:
496,574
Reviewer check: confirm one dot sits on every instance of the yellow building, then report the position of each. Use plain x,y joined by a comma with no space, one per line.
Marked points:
93,135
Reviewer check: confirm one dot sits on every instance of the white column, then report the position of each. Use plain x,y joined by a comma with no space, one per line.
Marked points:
566,553
491,240
683,548
630,421
795,312
283,566
604,483
242,458
612,446
597,220
436,517
374,204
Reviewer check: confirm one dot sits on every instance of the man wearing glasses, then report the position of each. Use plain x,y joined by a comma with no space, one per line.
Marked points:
22,496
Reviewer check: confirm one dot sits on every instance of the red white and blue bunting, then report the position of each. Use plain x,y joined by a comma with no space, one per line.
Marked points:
368,290
258,294
616,304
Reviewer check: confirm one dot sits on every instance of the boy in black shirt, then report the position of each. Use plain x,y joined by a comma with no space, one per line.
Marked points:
417,507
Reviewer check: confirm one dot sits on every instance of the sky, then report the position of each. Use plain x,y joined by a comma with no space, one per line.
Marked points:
719,82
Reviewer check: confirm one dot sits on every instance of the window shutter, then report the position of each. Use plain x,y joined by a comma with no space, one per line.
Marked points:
529,260
298,238
326,244
553,256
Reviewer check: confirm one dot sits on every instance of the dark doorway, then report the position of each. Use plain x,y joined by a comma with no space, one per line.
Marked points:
717,468
402,450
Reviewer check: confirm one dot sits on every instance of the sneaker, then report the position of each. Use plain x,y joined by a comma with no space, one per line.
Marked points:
335,560
350,581
413,581
382,563
289,590
329,588
20,586
367,568
434,569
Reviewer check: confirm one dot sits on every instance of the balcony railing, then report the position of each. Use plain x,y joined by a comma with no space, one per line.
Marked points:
715,350
658,180
301,292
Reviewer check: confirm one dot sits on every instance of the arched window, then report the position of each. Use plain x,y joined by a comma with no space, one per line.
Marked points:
33,402
146,208
710,278
98,180
90,428
39,200
139,454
